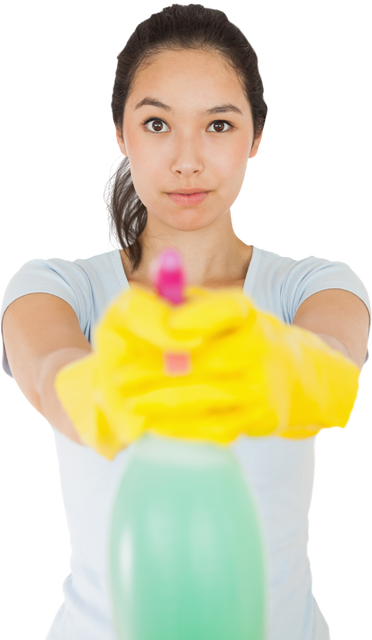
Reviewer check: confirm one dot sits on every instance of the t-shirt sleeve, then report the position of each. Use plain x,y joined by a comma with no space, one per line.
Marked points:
61,278
311,275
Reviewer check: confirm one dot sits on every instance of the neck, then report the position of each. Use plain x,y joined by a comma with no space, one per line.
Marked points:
232,273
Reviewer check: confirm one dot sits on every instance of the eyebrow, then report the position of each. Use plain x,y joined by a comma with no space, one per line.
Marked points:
220,109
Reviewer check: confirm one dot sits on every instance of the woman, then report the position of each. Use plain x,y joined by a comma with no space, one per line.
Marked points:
180,148
181,71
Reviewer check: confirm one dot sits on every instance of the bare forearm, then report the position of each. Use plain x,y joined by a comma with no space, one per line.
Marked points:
51,407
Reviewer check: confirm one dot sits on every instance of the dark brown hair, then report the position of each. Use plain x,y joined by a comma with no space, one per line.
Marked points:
177,27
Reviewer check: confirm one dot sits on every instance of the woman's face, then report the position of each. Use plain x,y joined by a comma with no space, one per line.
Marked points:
183,146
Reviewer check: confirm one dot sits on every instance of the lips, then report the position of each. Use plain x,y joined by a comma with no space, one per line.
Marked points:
189,191
188,199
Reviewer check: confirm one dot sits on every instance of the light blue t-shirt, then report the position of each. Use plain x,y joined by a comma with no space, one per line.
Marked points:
280,471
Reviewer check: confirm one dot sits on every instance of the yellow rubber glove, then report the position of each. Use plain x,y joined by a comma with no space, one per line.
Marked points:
211,368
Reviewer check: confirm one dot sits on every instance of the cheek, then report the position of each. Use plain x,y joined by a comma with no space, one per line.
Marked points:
238,169
144,165
229,165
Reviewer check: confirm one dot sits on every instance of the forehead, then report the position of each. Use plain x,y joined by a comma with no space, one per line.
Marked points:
183,69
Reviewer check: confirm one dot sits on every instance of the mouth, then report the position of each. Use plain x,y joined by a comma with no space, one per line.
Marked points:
188,199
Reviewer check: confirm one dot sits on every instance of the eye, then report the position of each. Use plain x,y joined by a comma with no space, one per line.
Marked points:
159,122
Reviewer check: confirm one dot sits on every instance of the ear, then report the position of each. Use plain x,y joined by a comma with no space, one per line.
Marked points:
255,146
119,144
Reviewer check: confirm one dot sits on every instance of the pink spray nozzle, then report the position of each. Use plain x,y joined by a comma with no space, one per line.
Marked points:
167,275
